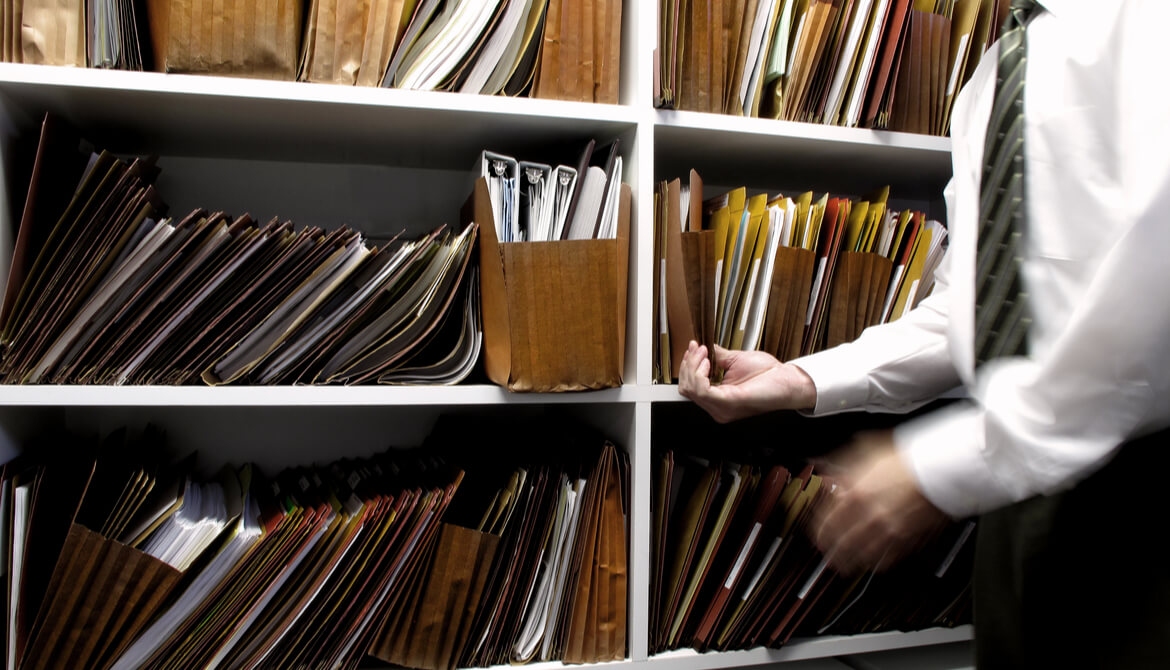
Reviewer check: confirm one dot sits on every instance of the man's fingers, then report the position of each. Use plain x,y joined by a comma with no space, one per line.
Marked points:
725,358
703,372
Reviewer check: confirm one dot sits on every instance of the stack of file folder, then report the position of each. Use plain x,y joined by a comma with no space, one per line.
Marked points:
893,64
732,566
105,288
249,573
786,275
564,49
118,560
532,561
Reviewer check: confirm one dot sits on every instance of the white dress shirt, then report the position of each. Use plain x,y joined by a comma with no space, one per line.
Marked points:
1097,170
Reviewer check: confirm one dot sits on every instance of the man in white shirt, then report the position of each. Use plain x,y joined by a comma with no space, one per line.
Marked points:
1064,440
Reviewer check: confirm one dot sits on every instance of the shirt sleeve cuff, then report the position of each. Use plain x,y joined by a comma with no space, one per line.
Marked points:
945,452
836,392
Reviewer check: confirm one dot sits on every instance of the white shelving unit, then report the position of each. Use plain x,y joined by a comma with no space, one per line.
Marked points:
385,160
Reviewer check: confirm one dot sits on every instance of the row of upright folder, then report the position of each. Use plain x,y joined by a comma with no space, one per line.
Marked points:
426,558
732,566
890,64
786,275
105,288
565,49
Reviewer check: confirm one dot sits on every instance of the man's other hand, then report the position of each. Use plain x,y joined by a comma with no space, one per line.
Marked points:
877,514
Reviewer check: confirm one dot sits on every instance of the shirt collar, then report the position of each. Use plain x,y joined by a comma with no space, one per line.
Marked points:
1057,7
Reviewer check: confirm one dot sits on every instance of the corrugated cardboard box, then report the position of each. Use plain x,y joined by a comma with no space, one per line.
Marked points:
554,313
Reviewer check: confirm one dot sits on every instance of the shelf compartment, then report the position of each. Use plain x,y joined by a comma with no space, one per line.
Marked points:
198,115
765,153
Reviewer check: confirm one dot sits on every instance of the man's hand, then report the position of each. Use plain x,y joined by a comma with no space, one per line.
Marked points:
753,383
877,515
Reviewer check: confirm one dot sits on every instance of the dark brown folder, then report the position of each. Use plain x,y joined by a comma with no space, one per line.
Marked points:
58,167
679,311
684,536
878,91
661,494
597,599
699,265
659,364
109,584
711,560
438,629
60,488
859,281
772,486
738,43
788,299
831,239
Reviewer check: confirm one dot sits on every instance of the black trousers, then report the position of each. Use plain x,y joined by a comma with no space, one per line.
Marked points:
1080,579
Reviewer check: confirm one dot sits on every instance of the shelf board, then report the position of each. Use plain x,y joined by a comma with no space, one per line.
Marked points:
730,150
821,647
198,115
798,650
297,396
669,393
663,393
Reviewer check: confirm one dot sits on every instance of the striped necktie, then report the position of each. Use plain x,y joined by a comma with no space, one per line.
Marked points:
1001,303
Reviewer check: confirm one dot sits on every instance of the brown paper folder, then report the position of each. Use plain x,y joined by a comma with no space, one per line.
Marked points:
580,53
260,38
698,251
435,634
859,280
788,302
596,630
335,34
681,273
554,313
52,32
111,591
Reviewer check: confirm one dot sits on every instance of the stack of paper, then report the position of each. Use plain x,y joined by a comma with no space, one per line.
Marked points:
872,63
732,566
103,288
564,49
789,276
507,46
